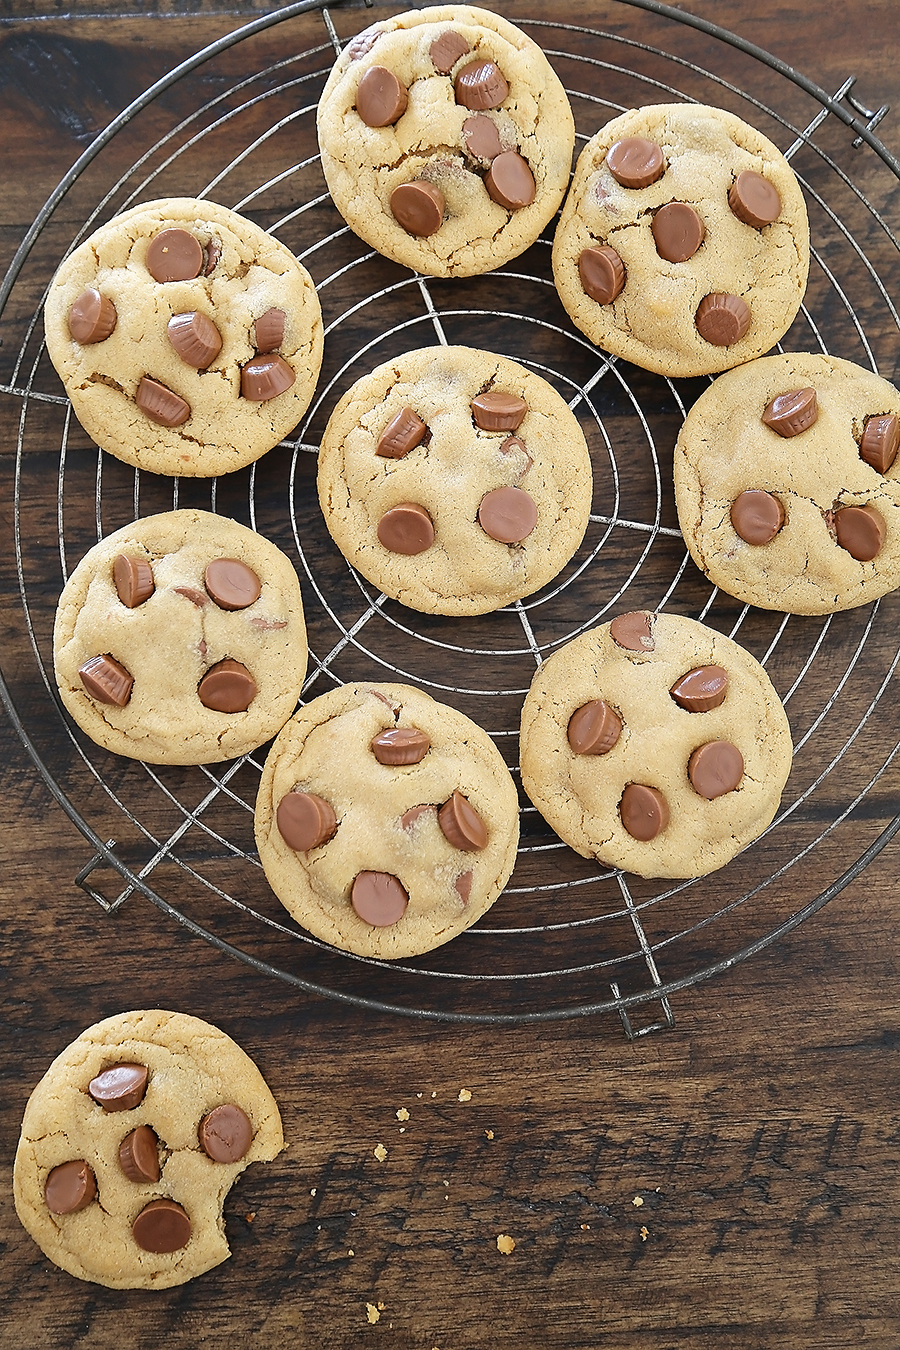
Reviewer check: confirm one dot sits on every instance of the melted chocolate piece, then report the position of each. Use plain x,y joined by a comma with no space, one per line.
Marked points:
754,200
635,162
514,445
482,139
139,1155
860,530
701,689
121,1087
880,442
594,728
305,821
225,1133
406,528
644,811
791,413
378,898
678,232
268,330
162,1226
418,207
174,255
463,885
265,376
414,814
107,680
363,43
480,85
507,514
632,631
510,182
92,317
402,434
69,1187
161,404
715,768
400,745
602,274
198,598
133,580
722,319
757,516
446,50
461,825
195,338
381,99
231,583
227,687
497,411
211,255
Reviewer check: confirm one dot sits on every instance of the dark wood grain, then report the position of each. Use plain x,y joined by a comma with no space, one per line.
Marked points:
730,1182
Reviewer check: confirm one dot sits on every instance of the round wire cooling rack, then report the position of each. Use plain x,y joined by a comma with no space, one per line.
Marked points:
566,938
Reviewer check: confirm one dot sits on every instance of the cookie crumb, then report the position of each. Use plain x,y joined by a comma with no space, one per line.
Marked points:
645,1233
585,1228
313,1191
403,1114
372,1313
489,1134
350,1251
380,1152
464,1095
250,1217
637,1201
505,1244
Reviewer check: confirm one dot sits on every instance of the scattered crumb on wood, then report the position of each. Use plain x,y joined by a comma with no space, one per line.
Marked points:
403,1114
380,1152
637,1201
372,1313
464,1095
505,1244
489,1134
645,1233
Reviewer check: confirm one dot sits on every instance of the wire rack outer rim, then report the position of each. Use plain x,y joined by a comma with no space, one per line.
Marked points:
104,851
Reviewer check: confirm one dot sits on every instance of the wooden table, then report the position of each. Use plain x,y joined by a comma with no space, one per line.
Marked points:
729,1181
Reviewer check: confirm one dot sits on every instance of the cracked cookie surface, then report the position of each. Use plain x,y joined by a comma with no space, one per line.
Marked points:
171,348
386,822
203,615
100,1206
494,154
834,537
737,240
471,463
655,745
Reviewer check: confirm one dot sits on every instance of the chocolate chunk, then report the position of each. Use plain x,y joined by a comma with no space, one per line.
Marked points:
514,445
265,377
446,50
133,580
69,1187
632,631
198,598
715,768
162,1226
497,411
678,232
227,687
92,317
400,745
107,680
602,274
754,200
406,528
461,824
482,139
757,516
414,814
305,821
381,99
418,207
880,442
791,413
231,583
463,885
402,434
722,319
701,689
225,1133
644,811
860,530
594,728
268,330
510,182
161,404
195,338
508,514
378,898
121,1087
211,255
635,162
174,255
480,85
139,1155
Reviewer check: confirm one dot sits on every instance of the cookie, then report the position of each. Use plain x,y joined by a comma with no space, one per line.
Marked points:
188,339
683,245
787,485
455,480
655,745
386,823
446,139
180,639
131,1142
